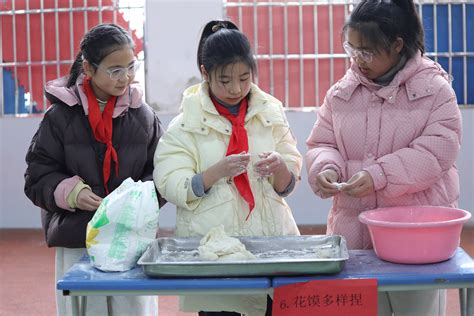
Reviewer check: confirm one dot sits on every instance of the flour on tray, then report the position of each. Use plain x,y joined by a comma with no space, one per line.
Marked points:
217,245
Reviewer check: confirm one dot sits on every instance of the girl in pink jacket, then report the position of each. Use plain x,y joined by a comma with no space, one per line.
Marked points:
388,134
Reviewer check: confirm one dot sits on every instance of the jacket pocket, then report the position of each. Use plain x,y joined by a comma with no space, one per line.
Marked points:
66,229
277,217
214,209
405,129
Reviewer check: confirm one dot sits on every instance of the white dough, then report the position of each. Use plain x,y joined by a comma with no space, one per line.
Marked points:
339,186
216,245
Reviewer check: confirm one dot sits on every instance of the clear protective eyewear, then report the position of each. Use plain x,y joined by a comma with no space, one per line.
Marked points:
116,73
364,55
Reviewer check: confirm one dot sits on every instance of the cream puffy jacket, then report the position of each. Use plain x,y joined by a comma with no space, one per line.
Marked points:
197,139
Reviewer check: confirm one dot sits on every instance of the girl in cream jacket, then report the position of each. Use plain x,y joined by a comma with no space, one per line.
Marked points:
229,158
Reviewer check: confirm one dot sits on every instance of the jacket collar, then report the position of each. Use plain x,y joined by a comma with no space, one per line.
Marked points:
200,115
57,90
415,77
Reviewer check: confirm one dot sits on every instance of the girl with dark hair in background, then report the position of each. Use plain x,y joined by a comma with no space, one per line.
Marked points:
97,132
388,134
229,158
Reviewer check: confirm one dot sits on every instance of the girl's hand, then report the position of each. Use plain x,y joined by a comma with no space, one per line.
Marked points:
87,200
270,163
359,185
233,165
326,181
228,167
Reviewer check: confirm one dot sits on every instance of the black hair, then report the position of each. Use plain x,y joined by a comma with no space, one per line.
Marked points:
222,44
100,41
381,22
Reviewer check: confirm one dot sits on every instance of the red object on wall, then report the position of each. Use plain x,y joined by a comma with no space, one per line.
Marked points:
55,49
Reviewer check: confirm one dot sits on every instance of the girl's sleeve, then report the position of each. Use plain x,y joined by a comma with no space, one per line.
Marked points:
428,157
174,167
153,140
323,151
67,191
45,162
285,145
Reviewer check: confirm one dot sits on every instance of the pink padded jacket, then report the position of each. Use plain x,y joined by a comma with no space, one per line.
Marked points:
406,135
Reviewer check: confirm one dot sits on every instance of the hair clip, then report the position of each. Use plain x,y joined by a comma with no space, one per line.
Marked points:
218,26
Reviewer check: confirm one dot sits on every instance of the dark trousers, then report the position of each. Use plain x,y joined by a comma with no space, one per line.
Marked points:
267,313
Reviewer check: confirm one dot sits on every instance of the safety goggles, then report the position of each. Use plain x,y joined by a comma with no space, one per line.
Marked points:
364,55
116,73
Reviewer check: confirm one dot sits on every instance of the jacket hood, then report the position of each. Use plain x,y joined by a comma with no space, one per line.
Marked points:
417,77
56,91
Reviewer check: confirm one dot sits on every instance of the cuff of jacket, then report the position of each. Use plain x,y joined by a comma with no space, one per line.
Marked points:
378,176
335,168
191,194
72,197
289,188
63,190
197,185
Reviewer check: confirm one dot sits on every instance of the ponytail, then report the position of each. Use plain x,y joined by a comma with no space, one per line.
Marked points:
406,5
75,71
209,29
413,29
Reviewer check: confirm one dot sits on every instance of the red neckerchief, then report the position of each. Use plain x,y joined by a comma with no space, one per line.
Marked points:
238,143
101,124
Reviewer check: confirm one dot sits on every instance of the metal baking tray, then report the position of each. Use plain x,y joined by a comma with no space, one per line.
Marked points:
282,255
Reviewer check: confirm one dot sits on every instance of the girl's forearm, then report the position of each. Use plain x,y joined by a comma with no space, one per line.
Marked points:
210,176
281,179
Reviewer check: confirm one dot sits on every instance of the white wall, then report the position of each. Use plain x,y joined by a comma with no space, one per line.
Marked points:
172,34
16,211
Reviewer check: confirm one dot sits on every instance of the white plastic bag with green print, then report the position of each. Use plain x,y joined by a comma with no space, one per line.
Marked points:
125,223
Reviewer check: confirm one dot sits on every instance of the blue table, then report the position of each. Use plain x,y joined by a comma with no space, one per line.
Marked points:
85,280
458,272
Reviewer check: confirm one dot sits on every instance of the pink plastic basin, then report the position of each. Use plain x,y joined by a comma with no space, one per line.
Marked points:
415,234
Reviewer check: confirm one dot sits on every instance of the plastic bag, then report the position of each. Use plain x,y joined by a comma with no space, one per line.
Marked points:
123,226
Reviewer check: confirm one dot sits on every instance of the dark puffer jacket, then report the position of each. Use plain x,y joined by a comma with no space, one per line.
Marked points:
64,146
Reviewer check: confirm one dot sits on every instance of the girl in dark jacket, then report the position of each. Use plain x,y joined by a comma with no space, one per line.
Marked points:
97,132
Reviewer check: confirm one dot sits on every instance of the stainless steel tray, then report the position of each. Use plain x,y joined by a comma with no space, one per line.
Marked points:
285,255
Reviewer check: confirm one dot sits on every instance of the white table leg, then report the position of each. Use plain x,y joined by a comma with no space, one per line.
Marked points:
75,305
83,306
470,301
466,301
109,305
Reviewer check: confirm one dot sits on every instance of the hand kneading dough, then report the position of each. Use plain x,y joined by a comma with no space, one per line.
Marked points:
216,245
